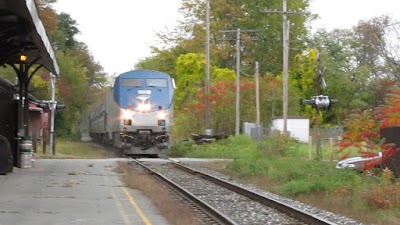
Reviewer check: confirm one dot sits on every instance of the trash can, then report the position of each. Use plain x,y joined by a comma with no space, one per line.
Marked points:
26,152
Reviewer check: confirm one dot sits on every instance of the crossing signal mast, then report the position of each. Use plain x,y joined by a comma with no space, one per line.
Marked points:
320,102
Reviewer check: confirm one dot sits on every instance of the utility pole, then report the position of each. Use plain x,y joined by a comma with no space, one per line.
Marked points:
237,114
52,111
257,96
286,27
317,119
207,81
237,118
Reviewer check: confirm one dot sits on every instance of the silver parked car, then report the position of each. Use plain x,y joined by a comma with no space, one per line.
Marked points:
360,162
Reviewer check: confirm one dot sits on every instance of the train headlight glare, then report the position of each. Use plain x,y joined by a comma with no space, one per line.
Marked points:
143,107
126,114
161,116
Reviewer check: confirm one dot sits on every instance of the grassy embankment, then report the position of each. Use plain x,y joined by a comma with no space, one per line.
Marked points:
67,149
282,166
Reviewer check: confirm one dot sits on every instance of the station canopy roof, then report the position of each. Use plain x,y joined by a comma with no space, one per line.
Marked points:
22,32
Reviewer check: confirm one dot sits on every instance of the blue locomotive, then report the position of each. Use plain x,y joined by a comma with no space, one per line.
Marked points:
136,114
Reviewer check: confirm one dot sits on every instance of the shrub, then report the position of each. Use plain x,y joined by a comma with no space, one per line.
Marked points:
180,148
383,194
278,144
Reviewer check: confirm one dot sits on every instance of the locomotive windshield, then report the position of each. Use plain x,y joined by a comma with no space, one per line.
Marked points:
131,82
156,82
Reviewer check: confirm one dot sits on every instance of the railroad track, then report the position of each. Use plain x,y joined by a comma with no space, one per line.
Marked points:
225,202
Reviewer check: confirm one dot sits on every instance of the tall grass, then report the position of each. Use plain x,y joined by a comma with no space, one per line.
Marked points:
285,163
76,150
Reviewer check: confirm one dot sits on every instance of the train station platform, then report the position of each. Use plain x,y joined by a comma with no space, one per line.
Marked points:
73,191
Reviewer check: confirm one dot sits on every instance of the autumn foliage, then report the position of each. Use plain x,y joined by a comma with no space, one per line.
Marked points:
364,130
222,106
190,116
385,195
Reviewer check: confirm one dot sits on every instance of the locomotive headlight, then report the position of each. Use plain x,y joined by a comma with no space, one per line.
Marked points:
143,107
126,114
161,116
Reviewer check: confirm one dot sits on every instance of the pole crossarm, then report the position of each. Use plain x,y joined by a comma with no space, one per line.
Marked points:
241,31
234,31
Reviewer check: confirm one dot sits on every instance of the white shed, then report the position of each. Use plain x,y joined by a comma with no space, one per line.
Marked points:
298,127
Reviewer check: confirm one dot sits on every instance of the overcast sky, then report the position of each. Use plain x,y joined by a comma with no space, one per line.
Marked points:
120,32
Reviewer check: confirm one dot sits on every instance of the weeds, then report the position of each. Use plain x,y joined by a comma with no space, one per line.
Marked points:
179,149
282,163
179,214
66,149
385,194
278,144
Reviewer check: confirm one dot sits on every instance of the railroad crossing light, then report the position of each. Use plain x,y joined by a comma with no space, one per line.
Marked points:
61,106
321,102
47,105
42,105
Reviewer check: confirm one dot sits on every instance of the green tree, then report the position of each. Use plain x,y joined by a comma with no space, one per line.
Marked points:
264,46
248,14
359,62
71,86
79,74
64,36
164,60
303,73
303,77
189,77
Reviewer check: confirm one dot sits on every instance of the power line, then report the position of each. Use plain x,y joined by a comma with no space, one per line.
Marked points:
286,27
237,113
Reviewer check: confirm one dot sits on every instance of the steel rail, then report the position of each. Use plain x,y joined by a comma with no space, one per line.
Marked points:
218,216
298,214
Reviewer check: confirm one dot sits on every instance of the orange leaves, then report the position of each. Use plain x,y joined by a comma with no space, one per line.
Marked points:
363,129
384,195
389,114
368,154
362,134
48,16
345,144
